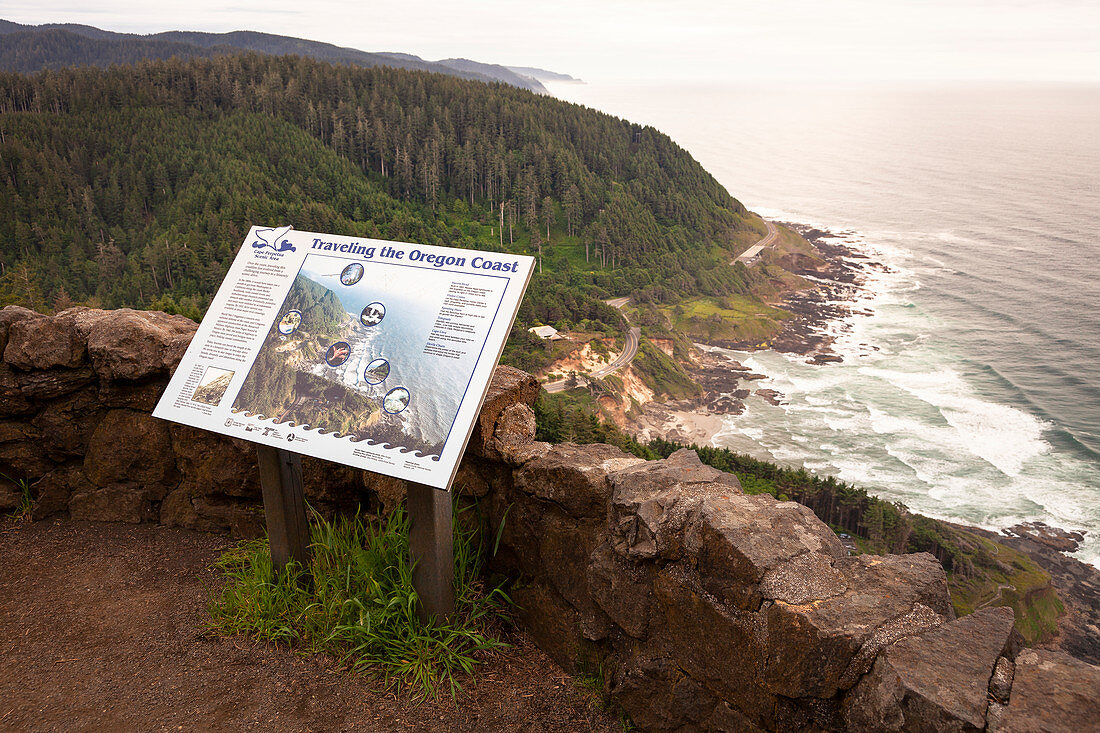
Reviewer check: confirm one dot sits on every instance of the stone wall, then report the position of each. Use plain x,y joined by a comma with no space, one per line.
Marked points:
704,608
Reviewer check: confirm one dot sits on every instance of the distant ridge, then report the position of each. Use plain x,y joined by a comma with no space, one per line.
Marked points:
543,74
29,48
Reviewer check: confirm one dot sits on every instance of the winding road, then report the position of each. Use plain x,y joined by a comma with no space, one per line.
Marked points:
627,356
634,334
767,241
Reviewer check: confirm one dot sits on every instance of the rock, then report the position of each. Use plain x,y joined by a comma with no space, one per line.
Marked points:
42,343
552,623
120,502
330,483
67,424
1000,684
83,318
770,396
744,545
22,456
391,492
12,399
726,718
938,680
142,397
129,448
658,694
217,464
132,345
1053,537
575,477
810,646
188,506
719,646
13,314
178,510
240,518
725,405
804,578
508,387
920,619
11,495
623,589
564,547
653,501
55,488
54,383
1051,691
514,436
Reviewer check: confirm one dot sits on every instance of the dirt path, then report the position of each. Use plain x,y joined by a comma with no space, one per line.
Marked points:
101,630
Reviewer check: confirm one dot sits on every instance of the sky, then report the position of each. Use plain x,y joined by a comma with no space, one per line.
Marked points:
597,40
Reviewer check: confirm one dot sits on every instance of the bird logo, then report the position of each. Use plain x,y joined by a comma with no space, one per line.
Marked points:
269,239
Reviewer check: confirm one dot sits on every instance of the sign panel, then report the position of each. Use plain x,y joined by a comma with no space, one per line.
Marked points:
369,353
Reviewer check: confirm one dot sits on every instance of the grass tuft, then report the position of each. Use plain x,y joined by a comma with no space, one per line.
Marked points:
361,606
25,504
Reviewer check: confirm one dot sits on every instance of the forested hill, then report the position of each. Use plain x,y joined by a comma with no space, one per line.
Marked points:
28,48
134,186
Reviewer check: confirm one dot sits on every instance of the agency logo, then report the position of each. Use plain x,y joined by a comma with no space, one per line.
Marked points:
270,239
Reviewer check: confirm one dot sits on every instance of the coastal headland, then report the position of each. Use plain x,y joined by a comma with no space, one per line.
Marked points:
1060,593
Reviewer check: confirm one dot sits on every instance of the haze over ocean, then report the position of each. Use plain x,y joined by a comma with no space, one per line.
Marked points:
972,392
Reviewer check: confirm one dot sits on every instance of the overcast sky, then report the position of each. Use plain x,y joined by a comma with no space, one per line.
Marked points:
668,39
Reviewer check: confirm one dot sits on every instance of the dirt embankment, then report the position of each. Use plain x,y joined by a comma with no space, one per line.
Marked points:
103,631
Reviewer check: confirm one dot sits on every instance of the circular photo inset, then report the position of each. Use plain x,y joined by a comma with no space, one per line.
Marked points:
376,372
290,322
351,274
396,400
373,314
338,353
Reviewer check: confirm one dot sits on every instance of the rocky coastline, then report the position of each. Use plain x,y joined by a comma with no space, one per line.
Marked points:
838,273
819,314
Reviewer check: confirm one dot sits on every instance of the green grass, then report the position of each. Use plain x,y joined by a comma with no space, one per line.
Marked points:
591,678
1008,578
361,606
729,318
23,507
662,374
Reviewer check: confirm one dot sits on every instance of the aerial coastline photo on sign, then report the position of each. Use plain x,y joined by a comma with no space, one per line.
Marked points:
354,365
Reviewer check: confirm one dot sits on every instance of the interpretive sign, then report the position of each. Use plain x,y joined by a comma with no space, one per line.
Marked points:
369,353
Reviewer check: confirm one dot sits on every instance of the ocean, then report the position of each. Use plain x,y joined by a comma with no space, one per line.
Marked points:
970,390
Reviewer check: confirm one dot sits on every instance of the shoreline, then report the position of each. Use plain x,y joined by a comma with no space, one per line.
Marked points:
818,313
820,316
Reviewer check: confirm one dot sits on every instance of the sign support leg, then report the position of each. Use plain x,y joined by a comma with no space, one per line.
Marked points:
284,506
431,550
